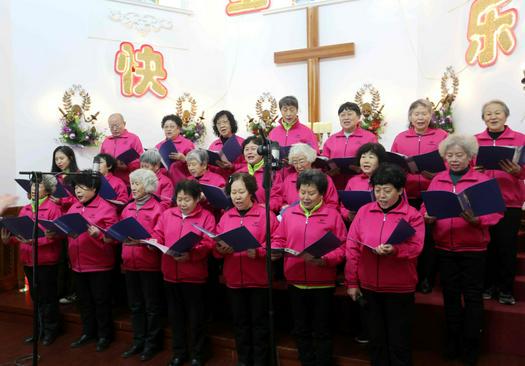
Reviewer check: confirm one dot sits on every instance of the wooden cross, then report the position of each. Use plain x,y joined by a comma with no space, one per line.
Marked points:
312,54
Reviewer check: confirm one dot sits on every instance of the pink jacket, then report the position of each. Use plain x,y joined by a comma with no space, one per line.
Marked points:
409,143
178,169
360,182
66,202
509,184
339,146
115,146
237,164
165,190
455,234
239,270
48,249
170,227
393,273
141,257
331,199
298,232
276,194
88,254
119,186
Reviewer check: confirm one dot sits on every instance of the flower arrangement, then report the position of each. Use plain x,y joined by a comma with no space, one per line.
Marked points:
442,113
266,110
372,114
253,125
194,130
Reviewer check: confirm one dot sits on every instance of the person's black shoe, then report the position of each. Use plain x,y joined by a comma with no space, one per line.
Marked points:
84,338
135,349
148,354
424,286
103,344
29,339
49,339
196,362
177,361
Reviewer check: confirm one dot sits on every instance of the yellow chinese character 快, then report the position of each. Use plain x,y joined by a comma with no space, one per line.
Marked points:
236,7
490,28
124,65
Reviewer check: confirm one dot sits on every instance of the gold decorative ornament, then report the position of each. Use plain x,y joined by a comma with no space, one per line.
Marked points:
371,110
449,85
266,107
76,109
186,108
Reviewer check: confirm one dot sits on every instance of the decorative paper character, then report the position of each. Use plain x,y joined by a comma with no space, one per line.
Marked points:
237,7
490,28
140,71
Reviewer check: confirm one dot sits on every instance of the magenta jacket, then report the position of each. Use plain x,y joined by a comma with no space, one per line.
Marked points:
178,169
141,257
393,273
88,254
165,190
239,270
298,232
48,249
237,164
115,146
509,184
409,143
455,234
170,227
291,194
276,194
119,186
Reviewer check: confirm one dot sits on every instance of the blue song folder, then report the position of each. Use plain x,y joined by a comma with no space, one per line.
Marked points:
216,197
401,233
430,162
165,150
354,200
240,239
284,151
490,156
213,157
62,190
106,191
21,226
328,243
25,184
128,156
184,244
344,164
483,198
71,224
128,228
231,150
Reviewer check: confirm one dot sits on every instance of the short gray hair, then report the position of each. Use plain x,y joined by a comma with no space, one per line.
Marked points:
151,156
501,103
468,143
145,176
50,183
302,149
199,155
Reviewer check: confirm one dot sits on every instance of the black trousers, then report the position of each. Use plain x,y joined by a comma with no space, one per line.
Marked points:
462,277
390,327
94,300
312,309
65,276
426,262
48,313
187,314
502,252
250,321
145,302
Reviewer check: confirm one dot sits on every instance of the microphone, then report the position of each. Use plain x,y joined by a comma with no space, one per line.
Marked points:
276,154
96,165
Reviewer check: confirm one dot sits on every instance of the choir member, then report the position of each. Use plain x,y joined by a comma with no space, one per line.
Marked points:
461,244
503,246
49,248
107,165
385,277
185,275
245,272
120,141
151,160
64,161
197,161
311,280
142,268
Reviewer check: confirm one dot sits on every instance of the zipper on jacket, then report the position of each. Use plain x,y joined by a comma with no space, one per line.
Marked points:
240,259
304,245
379,257
419,152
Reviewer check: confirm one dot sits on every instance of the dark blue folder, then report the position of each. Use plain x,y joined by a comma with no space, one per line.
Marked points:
165,150
25,184
232,149
431,162
344,164
321,162
213,157
354,200
21,226
216,197
401,233
490,156
63,190
184,244
284,151
72,224
128,228
397,159
323,246
128,156
483,198
106,191
240,239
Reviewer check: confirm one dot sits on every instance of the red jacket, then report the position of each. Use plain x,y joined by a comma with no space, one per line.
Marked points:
276,194
141,257
298,232
239,270
359,182
409,143
48,249
115,146
170,227
291,194
509,184
394,273
165,190
217,146
455,234
88,254
119,186
178,169
339,146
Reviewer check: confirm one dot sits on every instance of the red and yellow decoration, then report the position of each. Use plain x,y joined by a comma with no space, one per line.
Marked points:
238,7
372,111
